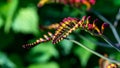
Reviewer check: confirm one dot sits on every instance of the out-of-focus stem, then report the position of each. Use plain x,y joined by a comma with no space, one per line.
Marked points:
95,53
103,37
111,26
97,43
117,18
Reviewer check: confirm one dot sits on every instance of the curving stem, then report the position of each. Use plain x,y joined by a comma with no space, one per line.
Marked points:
93,52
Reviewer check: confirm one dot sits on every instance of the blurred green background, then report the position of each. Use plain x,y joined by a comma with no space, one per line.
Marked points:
20,22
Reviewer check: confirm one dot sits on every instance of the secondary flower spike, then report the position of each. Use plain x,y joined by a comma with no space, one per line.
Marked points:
107,64
76,3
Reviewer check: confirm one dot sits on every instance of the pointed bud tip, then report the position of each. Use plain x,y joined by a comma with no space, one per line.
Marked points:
105,25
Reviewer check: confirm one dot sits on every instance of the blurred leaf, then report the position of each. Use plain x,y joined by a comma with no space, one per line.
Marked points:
115,56
73,12
26,21
45,65
17,60
6,40
67,45
4,8
117,3
5,62
108,5
43,52
82,53
9,18
1,22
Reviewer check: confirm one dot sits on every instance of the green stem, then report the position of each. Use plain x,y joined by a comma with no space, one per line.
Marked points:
95,53
103,37
117,19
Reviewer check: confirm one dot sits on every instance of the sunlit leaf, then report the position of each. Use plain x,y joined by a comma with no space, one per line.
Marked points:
45,65
26,21
83,54
4,8
9,18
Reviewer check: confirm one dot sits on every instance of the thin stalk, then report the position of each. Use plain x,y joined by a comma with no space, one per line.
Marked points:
105,38
98,43
111,26
117,18
93,52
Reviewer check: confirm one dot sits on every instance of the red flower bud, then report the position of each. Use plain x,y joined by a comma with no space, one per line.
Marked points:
103,26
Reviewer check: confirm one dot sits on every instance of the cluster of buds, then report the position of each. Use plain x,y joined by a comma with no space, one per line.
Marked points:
106,64
76,3
40,40
67,26
91,27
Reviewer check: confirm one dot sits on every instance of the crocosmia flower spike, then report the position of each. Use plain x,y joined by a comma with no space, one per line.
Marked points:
67,26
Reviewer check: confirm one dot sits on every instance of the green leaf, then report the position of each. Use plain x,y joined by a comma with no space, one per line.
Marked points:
82,53
43,52
1,22
9,18
16,58
45,65
26,21
67,47
8,39
108,5
117,3
4,8
115,56
5,62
